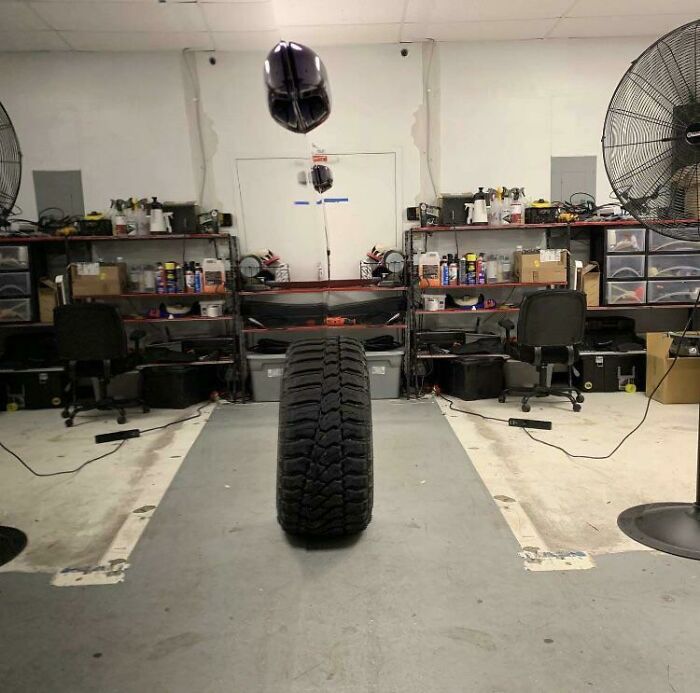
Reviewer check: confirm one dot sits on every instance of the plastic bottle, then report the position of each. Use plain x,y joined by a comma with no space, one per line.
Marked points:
180,278
170,277
480,269
463,270
491,270
471,268
198,279
160,278
506,268
444,271
119,221
453,271
189,278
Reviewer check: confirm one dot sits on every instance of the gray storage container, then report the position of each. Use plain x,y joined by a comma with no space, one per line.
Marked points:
384,374
266,376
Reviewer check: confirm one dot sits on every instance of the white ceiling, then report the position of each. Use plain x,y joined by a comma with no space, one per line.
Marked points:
138,25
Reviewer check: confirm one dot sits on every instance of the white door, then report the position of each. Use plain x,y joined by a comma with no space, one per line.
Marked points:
279,213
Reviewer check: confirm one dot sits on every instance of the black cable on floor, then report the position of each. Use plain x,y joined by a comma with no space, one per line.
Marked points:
100,457
471,413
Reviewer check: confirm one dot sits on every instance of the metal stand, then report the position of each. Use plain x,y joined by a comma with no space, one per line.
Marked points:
12,543
669,527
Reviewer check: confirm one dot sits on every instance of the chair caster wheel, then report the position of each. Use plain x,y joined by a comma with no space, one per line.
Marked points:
577,407
525,407
65,414
580,399
69,423
501,399
121,419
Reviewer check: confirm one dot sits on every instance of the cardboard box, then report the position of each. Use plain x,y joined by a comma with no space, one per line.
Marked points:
682,385
96,279
47,300
541,266
588,281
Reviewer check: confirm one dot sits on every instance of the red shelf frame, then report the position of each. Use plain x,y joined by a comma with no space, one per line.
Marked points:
319,287
521,227
318,328
495,285
185,318
14,240
153,295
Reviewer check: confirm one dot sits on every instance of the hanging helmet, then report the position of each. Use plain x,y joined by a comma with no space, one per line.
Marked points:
298,93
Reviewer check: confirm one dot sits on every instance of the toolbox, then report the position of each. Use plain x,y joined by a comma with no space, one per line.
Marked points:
610,371
34,388
178,387
471,377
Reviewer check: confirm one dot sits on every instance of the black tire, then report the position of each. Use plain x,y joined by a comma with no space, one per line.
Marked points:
324,460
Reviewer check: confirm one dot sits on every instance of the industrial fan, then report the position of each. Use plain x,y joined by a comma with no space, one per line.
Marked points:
10,166
651,150
12,541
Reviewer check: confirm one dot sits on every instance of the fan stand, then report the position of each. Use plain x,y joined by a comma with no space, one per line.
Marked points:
669,527
12,543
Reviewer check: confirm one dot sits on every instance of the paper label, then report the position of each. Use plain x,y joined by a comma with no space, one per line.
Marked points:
378,370
274,372
549,255
88,269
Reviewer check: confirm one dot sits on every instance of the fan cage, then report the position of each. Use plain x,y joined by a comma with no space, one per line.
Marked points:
10,165
651,136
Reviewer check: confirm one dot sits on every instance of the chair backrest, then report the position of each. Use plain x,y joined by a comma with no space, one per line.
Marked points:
552,317
90,332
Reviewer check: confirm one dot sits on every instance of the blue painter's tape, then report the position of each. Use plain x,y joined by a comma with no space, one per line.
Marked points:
325,199
301,202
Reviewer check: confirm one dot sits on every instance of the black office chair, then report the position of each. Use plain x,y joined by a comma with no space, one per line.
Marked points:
92,342
550,331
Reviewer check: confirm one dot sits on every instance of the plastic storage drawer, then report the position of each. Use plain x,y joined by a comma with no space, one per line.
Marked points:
672,266
630,240
15,310
624,267
673,291
659,243
621,293
15,284
14,257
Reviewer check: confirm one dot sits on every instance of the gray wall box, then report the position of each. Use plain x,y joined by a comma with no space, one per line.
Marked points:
572,174
60,189
384,374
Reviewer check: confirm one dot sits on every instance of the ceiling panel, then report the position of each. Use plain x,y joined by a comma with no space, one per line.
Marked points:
31,41
245,40
631,8
341,34
121,16
137,40
234,16
322,12
18,16
606,27
479,31
448,11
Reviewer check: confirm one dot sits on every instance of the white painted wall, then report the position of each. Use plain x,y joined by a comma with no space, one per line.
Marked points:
118,117
507,107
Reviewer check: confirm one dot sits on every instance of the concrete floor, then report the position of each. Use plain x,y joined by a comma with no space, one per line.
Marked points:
433,597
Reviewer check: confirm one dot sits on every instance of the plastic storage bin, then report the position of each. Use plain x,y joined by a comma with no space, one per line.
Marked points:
610,371
669,291
625,292
15,310
14,257
659,243
630,240
670,266
624,267
266,376
385,373
15,284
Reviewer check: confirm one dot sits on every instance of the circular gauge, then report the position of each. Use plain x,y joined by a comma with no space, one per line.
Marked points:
250,266
394,261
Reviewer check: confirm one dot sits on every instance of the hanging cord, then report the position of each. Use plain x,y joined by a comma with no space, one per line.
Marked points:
197,100
428,117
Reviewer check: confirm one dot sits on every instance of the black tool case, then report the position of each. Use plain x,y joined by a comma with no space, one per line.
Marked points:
181,386
470,377
610,371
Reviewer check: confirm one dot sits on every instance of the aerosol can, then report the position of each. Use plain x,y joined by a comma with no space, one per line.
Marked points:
453,271
444,272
